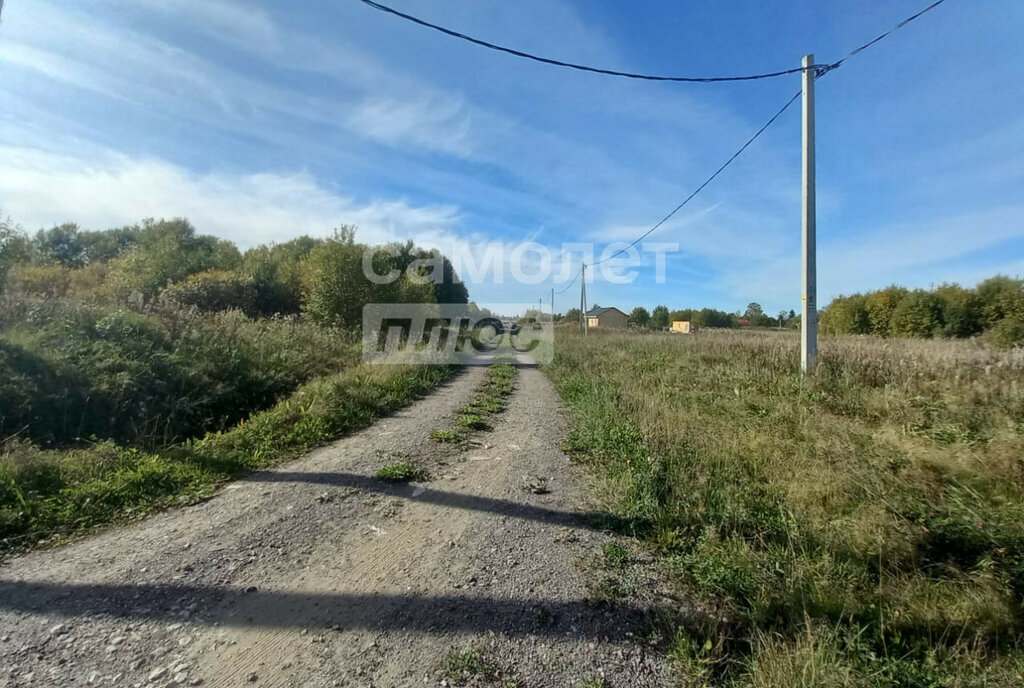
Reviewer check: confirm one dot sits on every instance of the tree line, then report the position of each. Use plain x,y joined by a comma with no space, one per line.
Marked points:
661,318
168,261
994,309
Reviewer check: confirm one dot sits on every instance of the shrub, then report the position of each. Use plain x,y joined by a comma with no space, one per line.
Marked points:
214,290
39,281
1007,333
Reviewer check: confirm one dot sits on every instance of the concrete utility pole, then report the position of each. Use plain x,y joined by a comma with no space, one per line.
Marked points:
583,299
809,312
552,305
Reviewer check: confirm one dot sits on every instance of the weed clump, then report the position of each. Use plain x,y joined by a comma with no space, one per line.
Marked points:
402,472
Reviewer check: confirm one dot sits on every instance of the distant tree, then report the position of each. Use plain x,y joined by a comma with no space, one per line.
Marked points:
169,251
571,316
640,316
60,244
685,314
918,314
961,310
276,273
659,318
14,247
846,315
1000,297
334,286
881,305
753,312
710,317
105,245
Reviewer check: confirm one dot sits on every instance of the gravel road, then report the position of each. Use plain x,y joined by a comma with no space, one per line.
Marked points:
317,574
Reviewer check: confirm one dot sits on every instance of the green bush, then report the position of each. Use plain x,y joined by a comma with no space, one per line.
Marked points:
846,315
214,290
1007,333
918,314
169,251
881,305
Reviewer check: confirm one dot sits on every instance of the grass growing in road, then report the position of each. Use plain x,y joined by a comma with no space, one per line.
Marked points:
615,555
489,399
448,435
470,667
862,527
50,494
402,472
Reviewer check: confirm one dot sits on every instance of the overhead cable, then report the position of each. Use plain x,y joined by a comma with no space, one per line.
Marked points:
818,68
706,181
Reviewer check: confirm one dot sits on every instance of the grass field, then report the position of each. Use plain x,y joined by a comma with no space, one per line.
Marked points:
862,527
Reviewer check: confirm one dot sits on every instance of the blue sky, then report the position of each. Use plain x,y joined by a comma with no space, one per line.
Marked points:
261,121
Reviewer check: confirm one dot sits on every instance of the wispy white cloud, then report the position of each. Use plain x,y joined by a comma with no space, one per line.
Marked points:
41,189
245,26
427,122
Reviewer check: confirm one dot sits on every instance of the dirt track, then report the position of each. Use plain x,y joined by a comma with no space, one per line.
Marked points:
317,574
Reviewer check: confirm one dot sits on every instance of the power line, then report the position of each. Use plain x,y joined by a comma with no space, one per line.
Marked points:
819,69
857,51
566,288
706,181
572,65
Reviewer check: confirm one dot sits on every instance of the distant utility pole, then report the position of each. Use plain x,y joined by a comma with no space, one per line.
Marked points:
552,305
809,312
583,300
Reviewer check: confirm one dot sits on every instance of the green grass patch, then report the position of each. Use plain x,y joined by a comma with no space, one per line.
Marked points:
615,555
469,667
473,421
403,472
448,436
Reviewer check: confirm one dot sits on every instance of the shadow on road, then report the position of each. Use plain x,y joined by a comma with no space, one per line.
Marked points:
593,520
320,611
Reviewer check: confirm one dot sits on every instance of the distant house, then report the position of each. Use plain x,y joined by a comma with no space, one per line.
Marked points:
607,318
683,327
